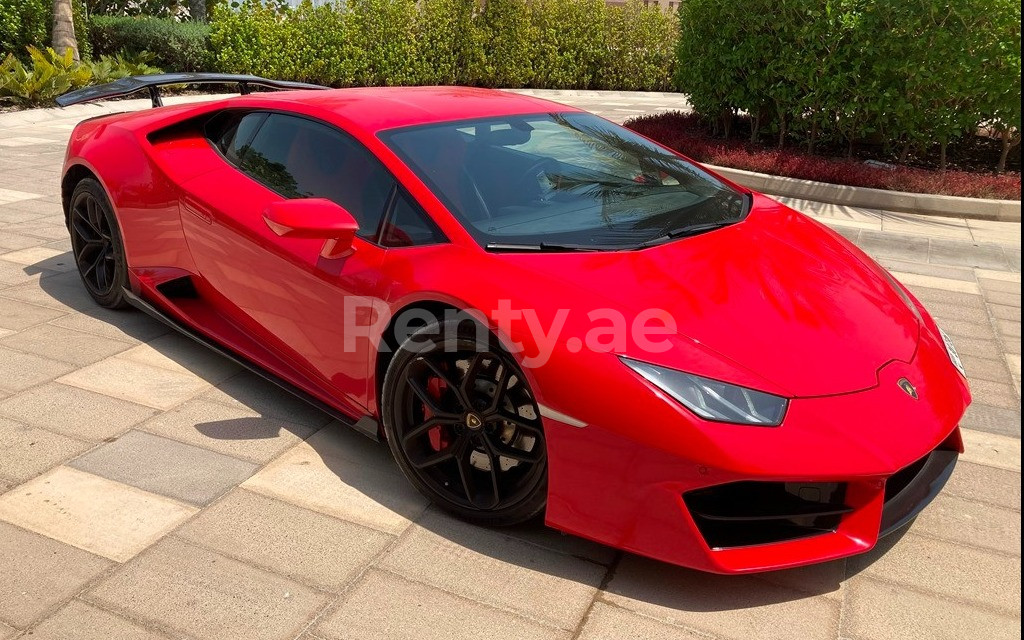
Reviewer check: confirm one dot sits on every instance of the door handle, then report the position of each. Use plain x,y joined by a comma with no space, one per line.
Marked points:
198,210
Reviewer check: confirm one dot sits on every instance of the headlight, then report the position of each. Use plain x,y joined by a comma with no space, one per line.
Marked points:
714,400
954,357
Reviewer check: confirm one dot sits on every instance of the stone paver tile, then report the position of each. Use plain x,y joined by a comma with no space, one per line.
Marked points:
41,258
893,245
1005,276
136,382
179,353
126,324
492,568
62,292
735,607
40,229
7,632
934,295
1006,286
989,349
968,254
971,523
1005,312
994,394
880,611
1013,363
991,419
924,269
74,412
936,227
943,312
303,545
606,622
8,196
342,474
383,606
167,467
82,621
14,241
92,513
20,371
932,282
535,532
1009,328
991,449
65,345
985,369
233,430
248,390
190,590
1003,297
981,483
946,569
26,451
39,573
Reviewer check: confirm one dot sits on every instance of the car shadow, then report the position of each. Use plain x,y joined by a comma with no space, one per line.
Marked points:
366,470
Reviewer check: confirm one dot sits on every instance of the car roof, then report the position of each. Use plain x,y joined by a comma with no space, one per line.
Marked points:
377,108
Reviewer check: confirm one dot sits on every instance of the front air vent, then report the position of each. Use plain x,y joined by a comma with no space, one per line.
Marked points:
741,514
178,288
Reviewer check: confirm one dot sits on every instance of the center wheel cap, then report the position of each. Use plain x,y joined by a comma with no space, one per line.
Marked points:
473,421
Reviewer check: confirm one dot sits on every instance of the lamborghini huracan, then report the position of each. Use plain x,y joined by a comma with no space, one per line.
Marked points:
541,313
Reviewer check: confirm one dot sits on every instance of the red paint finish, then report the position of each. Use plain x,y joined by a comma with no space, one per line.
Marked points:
777,303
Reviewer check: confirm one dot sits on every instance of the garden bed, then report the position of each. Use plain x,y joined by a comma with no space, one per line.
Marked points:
690,135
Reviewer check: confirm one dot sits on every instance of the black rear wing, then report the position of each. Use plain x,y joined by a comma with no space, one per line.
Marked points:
152,84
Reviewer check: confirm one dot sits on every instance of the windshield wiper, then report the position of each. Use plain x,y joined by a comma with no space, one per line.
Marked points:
687,231
540,247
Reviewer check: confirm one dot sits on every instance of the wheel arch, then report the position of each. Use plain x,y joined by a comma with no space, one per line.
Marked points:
75,174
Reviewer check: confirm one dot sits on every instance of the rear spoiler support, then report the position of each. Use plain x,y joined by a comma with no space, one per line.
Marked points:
152,84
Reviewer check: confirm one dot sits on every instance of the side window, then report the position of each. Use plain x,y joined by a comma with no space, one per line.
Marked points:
408,226
230,132
300,158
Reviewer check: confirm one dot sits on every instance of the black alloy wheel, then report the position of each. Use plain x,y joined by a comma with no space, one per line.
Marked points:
96,244
465,427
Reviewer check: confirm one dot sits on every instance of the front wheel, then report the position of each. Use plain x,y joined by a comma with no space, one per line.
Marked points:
464,426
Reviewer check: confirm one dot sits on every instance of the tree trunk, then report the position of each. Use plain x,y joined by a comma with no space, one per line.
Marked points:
64,28
782,130
942,155
849,148
813,137
1001,167
755,128
197,10
904,152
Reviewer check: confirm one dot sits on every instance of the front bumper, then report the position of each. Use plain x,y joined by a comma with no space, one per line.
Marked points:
624,479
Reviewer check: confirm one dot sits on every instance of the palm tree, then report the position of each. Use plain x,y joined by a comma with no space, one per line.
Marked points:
64,28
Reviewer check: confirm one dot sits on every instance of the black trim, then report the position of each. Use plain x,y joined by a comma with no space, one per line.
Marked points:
903,504
152,83
365,425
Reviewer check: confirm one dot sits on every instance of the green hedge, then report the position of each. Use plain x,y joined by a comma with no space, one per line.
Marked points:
25,23
177,46
907,74
576,44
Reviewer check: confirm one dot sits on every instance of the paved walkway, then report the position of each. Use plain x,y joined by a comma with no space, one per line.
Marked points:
151,490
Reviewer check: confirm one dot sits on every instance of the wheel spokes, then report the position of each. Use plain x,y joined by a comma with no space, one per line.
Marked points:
429,401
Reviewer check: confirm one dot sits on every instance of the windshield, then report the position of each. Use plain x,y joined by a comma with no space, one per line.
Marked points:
563,181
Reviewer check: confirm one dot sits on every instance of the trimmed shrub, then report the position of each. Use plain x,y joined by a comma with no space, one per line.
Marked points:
177,46
501,43
503,54
641,44
901,74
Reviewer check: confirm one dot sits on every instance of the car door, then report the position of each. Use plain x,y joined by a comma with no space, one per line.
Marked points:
280,289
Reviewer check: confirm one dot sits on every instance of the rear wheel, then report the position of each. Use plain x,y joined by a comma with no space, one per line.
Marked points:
464,426
96,244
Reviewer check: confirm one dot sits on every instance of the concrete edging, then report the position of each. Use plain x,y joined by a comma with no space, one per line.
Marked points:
921,203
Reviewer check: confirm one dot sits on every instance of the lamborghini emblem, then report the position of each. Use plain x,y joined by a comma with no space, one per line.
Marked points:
907,387
473,421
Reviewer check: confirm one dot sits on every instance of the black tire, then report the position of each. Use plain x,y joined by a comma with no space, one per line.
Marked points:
96,244
486,463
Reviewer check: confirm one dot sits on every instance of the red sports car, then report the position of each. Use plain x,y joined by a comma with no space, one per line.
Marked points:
539,311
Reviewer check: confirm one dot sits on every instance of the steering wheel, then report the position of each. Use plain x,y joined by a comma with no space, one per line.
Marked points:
534,171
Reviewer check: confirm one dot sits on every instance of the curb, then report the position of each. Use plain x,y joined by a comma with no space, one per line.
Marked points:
901,201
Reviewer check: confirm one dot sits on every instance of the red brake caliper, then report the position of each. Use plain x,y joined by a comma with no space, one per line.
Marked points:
438,435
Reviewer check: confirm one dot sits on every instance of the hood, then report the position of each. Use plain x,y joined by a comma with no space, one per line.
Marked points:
778,294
